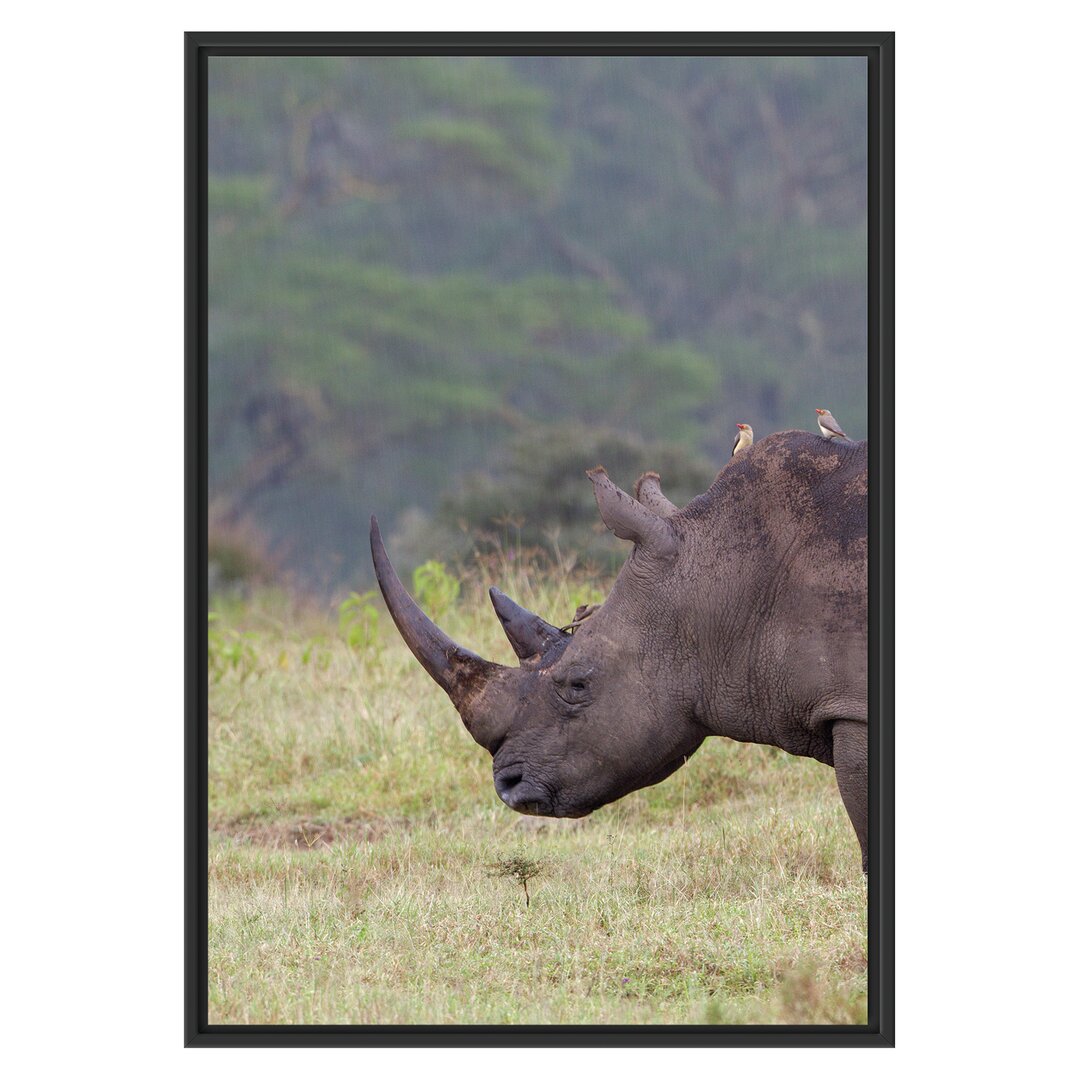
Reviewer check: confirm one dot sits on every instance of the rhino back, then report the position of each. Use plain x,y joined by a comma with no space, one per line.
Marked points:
776,559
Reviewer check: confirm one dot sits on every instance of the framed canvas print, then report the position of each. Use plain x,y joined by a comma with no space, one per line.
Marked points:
539,539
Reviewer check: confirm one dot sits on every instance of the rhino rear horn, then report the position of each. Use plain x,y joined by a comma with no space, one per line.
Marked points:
527,633
629,520
461,673
647,492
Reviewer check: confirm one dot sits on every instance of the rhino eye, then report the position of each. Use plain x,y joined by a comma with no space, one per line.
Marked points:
574,690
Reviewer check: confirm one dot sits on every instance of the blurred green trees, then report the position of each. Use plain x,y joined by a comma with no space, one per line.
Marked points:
446,286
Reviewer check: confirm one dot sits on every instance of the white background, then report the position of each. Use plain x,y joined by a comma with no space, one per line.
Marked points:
92,536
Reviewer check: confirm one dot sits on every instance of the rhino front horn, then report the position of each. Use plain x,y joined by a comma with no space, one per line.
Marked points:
527,633
629,520
461,673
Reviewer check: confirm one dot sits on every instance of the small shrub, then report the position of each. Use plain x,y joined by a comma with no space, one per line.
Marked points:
228,650
358,620
519,868
435,588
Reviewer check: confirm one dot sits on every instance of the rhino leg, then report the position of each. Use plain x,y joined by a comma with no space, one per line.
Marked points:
849,759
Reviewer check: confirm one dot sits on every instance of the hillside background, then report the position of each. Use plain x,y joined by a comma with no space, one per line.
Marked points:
441,288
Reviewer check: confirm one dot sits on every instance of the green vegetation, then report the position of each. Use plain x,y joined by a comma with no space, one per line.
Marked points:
355,833
358,620
439,284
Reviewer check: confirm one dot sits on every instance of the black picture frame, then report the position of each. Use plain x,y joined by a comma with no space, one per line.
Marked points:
878,48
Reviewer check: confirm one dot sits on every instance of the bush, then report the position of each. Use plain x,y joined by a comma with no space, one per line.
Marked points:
228,650
434,588
358,620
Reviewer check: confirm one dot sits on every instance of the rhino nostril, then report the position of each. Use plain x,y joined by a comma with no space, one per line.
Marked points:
507,780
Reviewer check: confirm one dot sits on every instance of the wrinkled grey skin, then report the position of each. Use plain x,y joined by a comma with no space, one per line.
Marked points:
743,614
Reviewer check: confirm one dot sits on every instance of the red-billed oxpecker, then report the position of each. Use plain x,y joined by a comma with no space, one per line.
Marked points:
828,426
744,439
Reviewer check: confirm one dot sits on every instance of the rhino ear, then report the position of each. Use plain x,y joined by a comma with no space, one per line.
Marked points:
629,520
647,492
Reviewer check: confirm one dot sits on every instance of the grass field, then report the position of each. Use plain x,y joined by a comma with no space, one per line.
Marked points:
358,850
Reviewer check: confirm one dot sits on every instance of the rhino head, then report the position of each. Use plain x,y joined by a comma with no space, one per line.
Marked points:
586,717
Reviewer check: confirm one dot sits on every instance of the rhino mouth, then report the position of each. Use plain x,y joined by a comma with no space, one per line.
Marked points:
530,796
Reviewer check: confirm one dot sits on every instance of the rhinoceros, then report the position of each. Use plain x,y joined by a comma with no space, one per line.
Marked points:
743,614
